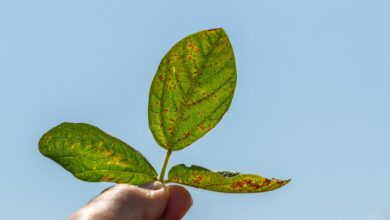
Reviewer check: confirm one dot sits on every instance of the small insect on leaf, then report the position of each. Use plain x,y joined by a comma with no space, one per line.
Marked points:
222,181
192,89
94,156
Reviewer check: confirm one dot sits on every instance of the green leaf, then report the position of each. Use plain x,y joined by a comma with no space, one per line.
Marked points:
222,181
94,156
192,89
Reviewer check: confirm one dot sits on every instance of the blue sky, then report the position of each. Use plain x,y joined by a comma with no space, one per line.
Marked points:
311,104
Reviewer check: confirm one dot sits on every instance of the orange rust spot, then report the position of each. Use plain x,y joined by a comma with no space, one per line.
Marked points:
160,77
191,45
165,111
266,182
197,179
185,135
246,183
106,179
238,185
253,185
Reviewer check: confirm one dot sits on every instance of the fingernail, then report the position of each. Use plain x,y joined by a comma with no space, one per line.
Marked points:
153,185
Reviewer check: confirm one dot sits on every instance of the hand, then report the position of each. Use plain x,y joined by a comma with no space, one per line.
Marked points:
149,202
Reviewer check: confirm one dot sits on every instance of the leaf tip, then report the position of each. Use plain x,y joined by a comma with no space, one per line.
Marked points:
280,183
285,182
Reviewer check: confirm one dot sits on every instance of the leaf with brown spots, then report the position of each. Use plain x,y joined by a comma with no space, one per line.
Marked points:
192,89
92,155
222,181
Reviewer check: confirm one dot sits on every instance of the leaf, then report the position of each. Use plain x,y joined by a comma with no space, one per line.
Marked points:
192,89
94,156
222,181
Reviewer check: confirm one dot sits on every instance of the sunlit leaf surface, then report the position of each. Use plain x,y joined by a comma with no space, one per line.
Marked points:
192,89
222,181
92,155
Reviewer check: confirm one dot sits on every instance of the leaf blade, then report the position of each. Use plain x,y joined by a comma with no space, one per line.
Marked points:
192,89
92,155
222,181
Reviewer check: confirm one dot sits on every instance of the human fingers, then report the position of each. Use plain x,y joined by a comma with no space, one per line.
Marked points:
126,202
179,202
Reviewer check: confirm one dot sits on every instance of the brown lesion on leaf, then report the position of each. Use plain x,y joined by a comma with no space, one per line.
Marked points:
192,46
174,179
250,185
189,57
196,180
238,185
185,135
266,182
106,179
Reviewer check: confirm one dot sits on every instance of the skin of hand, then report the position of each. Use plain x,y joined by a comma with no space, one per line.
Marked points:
149,202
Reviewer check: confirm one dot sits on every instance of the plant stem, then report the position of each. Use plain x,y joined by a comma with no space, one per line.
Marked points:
164,166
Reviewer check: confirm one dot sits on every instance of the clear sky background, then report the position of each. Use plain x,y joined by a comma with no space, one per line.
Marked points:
311,104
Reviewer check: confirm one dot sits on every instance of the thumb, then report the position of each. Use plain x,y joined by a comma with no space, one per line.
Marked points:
156,195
